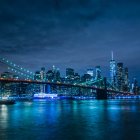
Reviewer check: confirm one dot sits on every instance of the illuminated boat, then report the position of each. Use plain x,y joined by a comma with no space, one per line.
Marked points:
6,101
44,95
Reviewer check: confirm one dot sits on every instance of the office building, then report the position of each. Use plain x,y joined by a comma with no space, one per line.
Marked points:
126,80
90,72
86,77
98,72
43,74
135,87
76,78
37,76
120,78
69,73
112,71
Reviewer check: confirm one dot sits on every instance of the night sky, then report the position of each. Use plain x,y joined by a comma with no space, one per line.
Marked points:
71,33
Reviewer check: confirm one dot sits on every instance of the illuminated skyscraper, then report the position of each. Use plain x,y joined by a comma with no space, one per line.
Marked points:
57,75
113,71
69,72
86,77
53,75
98,72
126,80
120,76
43,74
69,75
50,75
76,78
135,86
90,72
37,76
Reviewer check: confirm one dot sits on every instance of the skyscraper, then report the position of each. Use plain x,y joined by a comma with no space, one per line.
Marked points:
50,75
126,80
90,72
98,72
43,74
57,75
86,77
112,70
120,78
37,76
76,78
69,73
135,86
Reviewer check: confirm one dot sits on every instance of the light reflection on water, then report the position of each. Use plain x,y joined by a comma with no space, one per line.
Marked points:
4,116
70,120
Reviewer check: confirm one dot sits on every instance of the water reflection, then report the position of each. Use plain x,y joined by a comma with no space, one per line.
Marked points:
71,119
3,116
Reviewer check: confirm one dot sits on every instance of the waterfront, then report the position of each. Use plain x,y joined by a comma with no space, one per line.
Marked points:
71,120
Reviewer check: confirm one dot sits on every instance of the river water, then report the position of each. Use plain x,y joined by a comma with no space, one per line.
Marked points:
71,120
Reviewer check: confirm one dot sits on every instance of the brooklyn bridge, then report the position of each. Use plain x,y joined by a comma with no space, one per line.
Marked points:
26,84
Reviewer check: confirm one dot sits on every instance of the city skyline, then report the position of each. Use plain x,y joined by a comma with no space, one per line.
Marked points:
77,34
111,74
118,80
93,71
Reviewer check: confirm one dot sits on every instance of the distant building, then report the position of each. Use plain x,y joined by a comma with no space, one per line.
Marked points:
86,77
10,88
69,75
43,74
7,75
135,88
16,76
98,72
53,68
50,75
126,80
53,75
57,75
90,72
113,71
76,78
120,78
69,72
37,76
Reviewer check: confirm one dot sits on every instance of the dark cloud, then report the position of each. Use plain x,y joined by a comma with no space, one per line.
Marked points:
75,33
29,25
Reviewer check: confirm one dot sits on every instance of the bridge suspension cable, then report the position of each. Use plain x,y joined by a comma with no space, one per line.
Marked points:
17,69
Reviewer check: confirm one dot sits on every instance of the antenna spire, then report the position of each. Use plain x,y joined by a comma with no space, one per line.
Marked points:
112,55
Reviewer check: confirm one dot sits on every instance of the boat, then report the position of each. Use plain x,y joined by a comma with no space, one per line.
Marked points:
6,101
44,95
